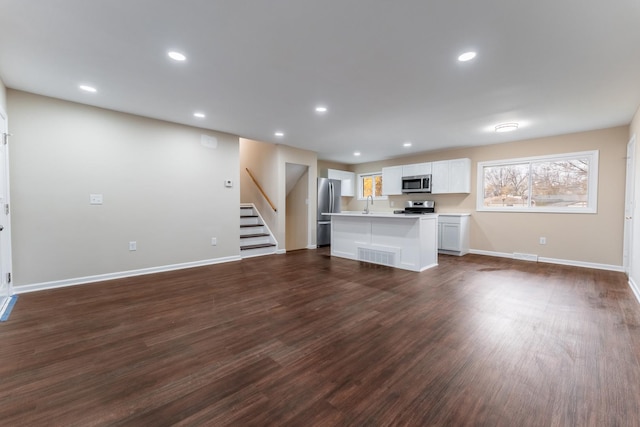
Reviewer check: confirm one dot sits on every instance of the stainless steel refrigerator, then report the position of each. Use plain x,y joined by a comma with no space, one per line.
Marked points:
328,202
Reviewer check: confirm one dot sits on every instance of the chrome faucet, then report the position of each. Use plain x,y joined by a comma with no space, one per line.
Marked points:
366,209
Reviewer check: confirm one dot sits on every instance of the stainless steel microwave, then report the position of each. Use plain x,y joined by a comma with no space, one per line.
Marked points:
416,184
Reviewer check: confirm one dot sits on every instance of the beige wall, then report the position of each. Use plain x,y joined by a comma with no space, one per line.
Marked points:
325,165
590,238
286,155
268,163
161,188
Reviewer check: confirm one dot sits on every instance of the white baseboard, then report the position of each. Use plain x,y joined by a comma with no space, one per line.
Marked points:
635,288
491,253
119,275
281,251
573,263
597,266
312,247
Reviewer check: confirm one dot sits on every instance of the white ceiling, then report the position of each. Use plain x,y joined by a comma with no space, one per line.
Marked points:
387,70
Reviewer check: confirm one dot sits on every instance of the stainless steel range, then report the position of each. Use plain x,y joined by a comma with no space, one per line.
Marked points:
417,207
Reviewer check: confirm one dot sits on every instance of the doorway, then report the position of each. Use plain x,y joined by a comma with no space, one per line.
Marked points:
297,207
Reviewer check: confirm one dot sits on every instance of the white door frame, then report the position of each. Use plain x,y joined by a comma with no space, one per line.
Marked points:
628,206
5,220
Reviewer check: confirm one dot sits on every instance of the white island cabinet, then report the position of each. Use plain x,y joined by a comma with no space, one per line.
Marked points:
409,242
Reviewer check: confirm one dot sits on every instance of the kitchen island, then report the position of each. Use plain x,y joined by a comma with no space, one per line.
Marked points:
406,241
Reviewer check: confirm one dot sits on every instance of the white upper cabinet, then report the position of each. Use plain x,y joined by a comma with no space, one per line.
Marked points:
392,180
416,169
440,177
451,176
348,181
460,176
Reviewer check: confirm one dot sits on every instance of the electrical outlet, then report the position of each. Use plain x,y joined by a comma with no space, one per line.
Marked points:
543,240
214,241
133,246
95,199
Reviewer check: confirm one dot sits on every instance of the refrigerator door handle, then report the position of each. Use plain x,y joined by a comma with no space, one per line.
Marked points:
330,196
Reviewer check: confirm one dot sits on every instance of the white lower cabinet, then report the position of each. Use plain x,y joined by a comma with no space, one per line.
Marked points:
453,234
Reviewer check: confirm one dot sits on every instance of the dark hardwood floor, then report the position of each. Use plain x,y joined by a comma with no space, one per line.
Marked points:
304,339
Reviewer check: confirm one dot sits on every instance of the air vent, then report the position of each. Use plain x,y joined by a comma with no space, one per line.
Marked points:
377,257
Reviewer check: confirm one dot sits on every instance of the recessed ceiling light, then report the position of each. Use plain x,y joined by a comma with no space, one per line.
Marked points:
279,134
356,153
506,127
87,88
321,109
407,144
467,56
176,56
199,115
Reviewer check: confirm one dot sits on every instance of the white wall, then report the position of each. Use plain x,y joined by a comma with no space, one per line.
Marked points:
161,188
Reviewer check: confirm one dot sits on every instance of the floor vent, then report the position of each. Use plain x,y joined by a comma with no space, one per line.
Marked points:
525,257
377,257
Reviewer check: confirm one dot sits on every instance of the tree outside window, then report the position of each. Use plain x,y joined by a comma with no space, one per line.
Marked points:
370,185
564,183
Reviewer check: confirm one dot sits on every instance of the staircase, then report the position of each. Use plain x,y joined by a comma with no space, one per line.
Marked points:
255,237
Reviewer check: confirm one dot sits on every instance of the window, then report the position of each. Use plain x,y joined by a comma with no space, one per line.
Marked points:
370,184
560,183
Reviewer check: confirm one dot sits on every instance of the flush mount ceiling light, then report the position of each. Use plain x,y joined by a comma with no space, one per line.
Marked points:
407,144
467,56
88,88
176,56
506,127
199,115
356,153
321,109
279,134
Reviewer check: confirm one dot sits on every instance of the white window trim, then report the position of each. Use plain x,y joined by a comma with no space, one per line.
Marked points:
360,189
593,183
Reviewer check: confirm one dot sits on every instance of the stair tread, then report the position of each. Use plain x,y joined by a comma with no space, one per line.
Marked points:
246,236
251,225
261,245
248,216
